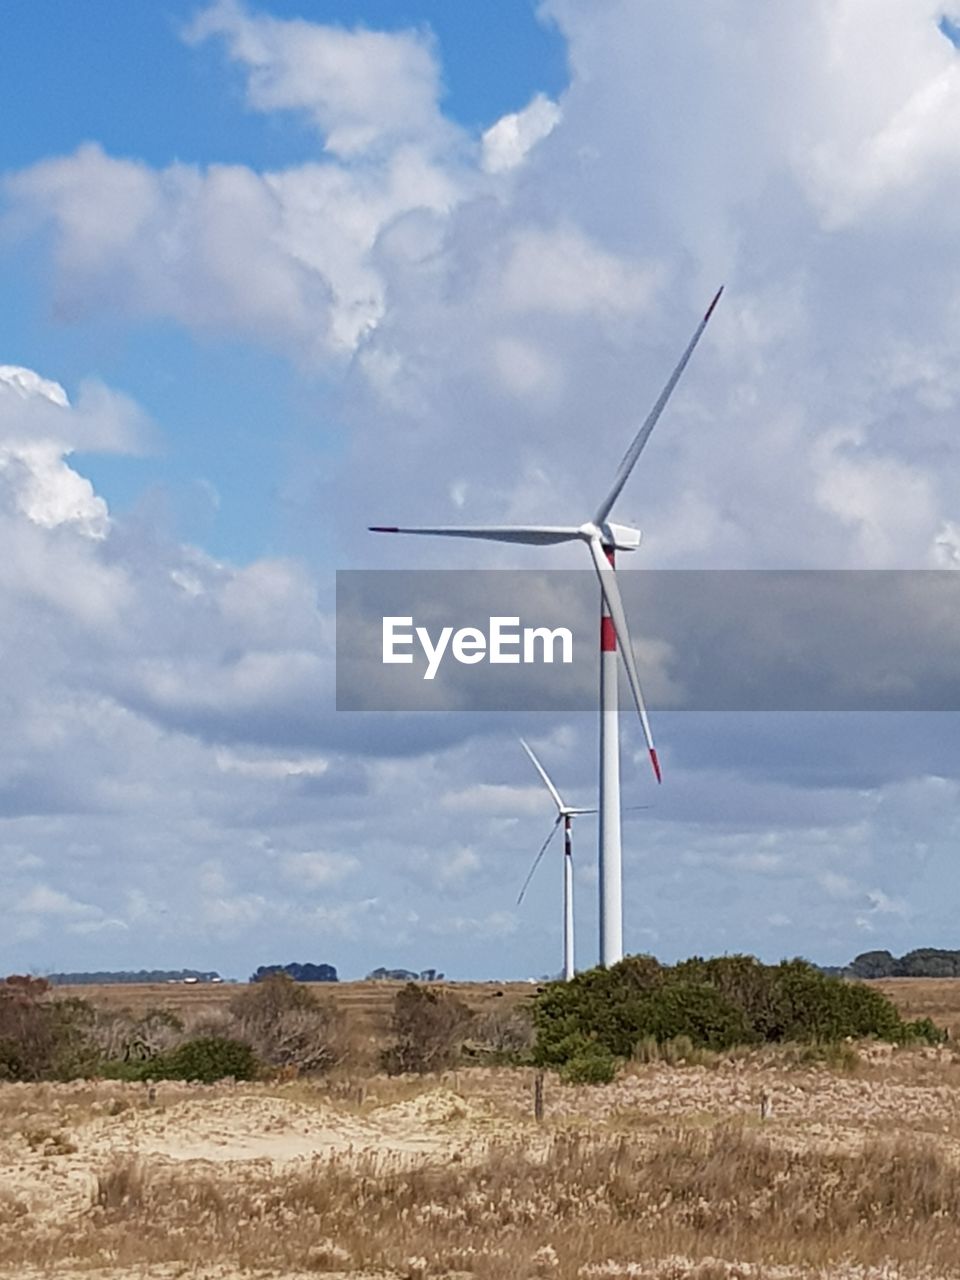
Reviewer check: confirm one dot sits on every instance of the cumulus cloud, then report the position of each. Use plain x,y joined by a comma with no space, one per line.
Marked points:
497,313
362,89
283,257
39,428
507,143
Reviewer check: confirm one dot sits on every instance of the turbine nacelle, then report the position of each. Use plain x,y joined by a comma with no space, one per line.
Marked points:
622,537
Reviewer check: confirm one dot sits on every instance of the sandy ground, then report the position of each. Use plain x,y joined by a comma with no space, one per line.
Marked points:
54,1139
53,1167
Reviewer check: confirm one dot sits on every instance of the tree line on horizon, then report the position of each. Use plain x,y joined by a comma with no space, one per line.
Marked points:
300,972
924,962
100,977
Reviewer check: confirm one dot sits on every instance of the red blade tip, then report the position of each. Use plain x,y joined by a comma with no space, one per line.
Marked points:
656,763
716,299
382,528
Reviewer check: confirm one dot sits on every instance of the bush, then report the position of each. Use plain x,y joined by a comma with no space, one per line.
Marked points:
502,1036
118,1069
638,1006
593,1066
923,1030
273,995
42,1038
429,1028
287,1026
121,1037
206,1060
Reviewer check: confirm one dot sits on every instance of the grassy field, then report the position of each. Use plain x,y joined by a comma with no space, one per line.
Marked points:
669,1173
762,1165
368,1005
936,998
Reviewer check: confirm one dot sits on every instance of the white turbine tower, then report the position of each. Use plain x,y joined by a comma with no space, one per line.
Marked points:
565,814
604,539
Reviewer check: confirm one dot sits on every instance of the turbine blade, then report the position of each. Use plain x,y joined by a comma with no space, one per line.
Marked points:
643,435
575,813
611,593
536,861
543,774
538,534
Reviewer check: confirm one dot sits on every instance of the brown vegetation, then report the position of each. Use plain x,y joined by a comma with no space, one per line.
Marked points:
767,1163
936,998
667,1173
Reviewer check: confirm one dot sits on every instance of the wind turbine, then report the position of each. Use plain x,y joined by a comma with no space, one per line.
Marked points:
565,814
604,539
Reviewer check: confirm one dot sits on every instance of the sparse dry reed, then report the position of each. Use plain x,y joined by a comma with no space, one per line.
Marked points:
583,1204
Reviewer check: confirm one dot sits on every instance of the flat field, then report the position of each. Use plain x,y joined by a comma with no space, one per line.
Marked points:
851,1173
366,1005
936,998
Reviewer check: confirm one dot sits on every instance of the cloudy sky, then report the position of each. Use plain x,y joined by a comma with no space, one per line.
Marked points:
275,271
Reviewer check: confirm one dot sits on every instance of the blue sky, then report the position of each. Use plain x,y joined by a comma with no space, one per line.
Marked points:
302,267
124,78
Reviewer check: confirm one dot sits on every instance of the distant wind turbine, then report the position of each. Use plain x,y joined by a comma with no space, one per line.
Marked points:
604,539
565,814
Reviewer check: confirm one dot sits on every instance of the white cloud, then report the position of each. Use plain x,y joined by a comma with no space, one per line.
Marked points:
39,428
49,493
272,766
44,901
559,270
837,886
317,870
946,545
507,143
888,502
362,89
503,311
281,257
29,386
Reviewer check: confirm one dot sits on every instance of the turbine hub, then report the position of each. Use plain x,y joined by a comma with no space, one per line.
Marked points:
621,536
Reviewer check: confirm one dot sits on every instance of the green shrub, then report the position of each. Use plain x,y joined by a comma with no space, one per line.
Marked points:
923,1030
124,1069
696,1013
638,1007
206,1060
594,1067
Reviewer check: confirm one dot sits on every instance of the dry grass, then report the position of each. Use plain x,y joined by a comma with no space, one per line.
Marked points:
667,1173
586,1205
362,1012
936,998
367,1003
